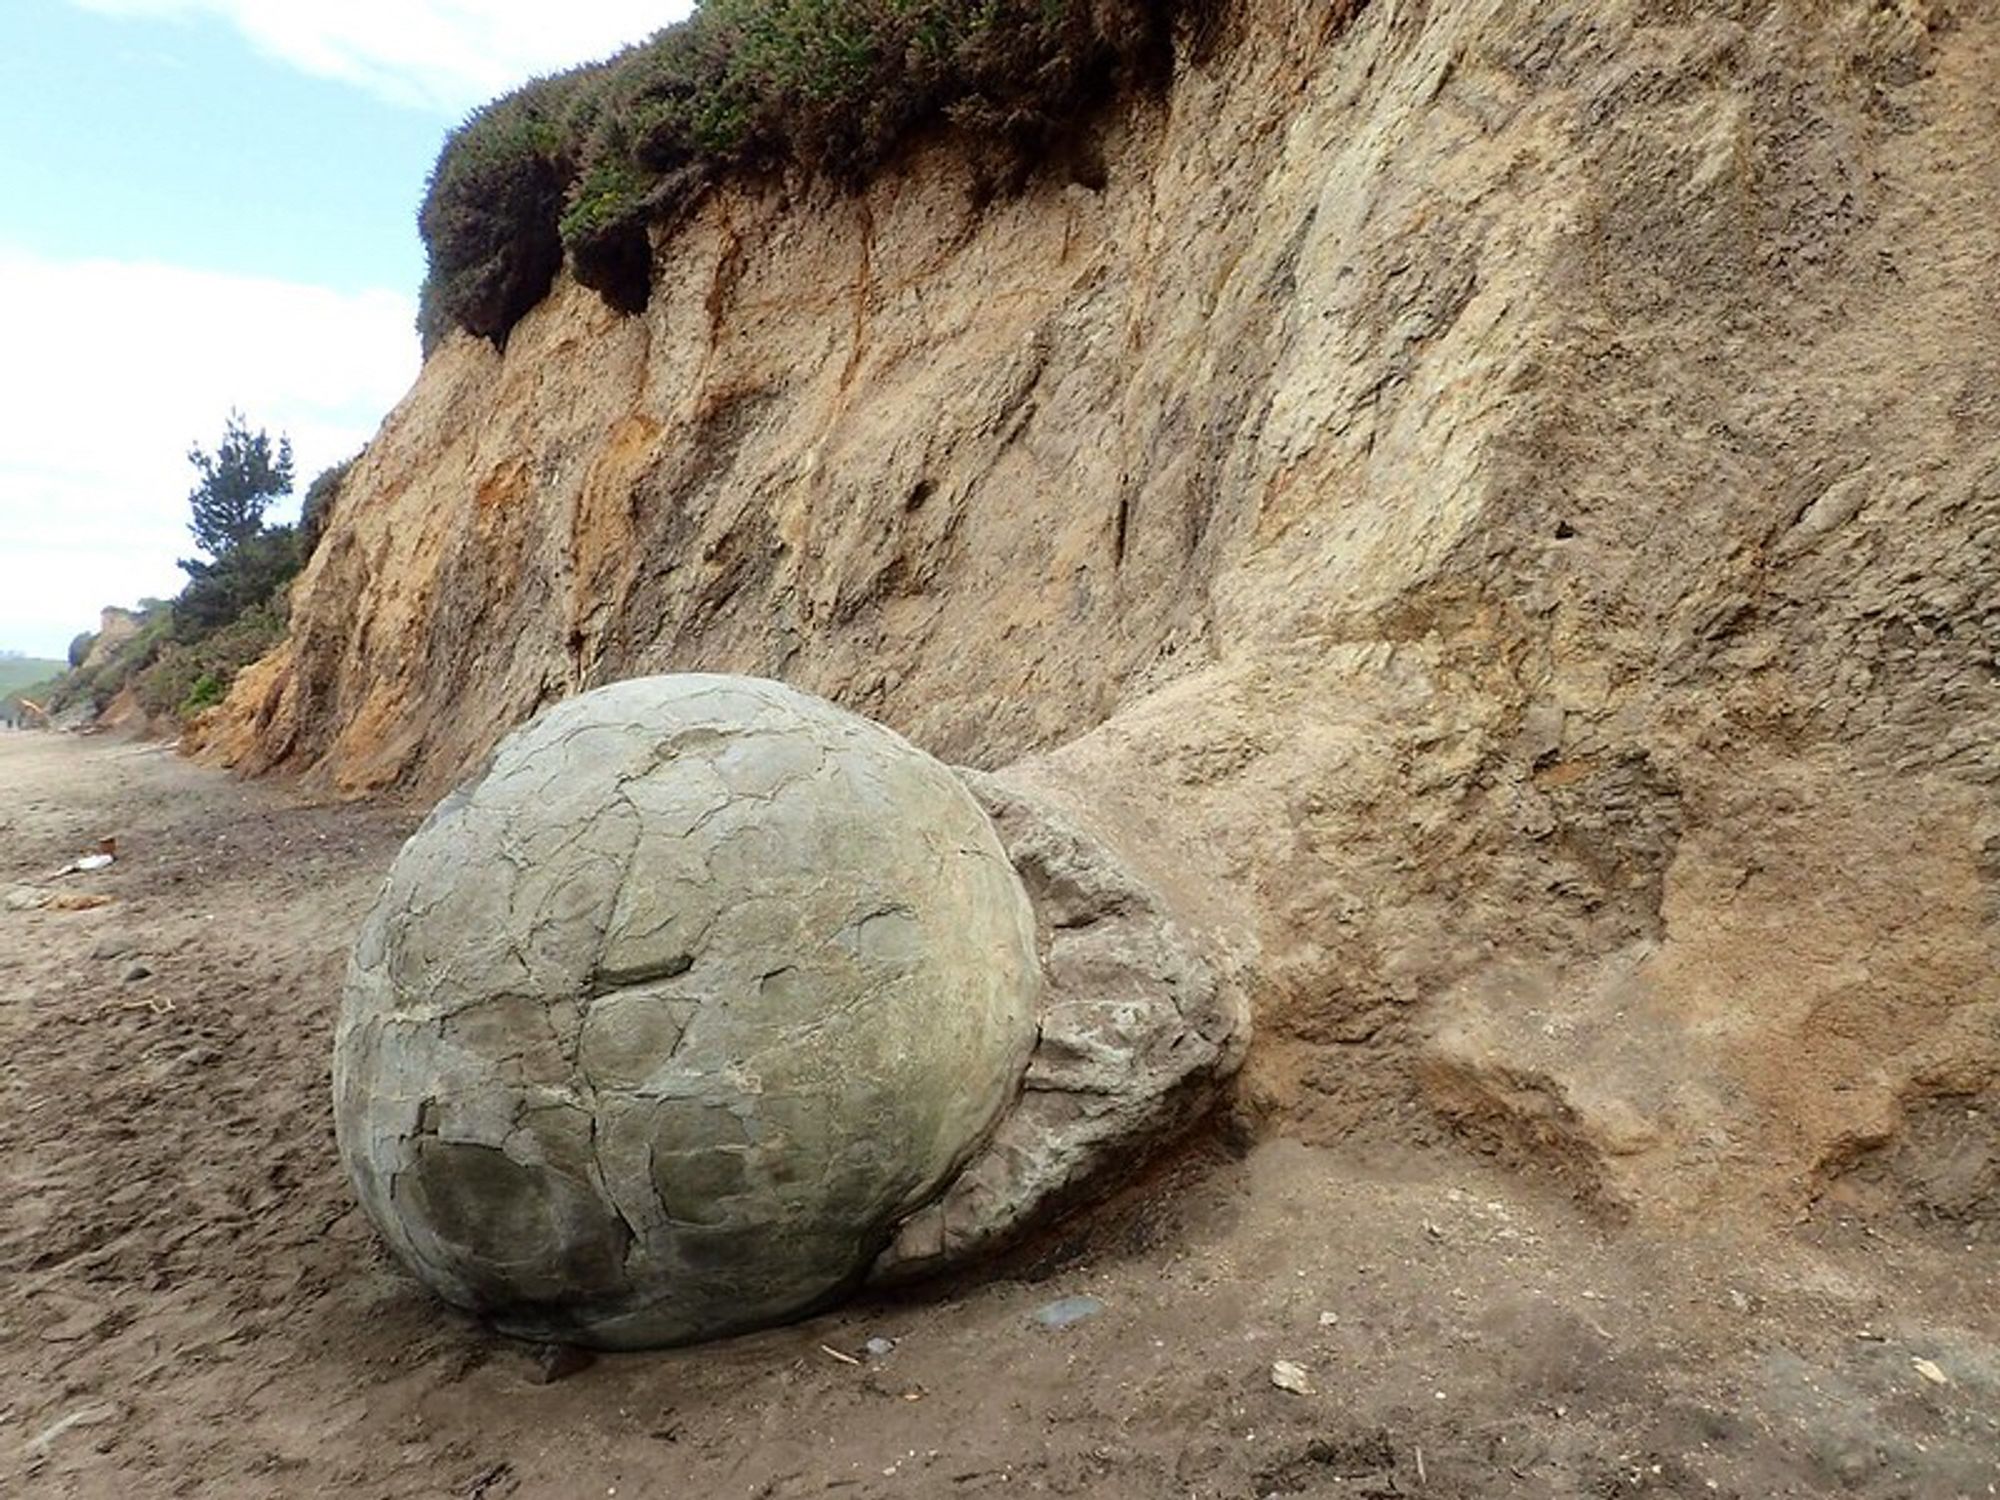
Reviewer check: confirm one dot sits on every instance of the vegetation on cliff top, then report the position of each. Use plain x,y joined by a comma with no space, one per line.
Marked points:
582,163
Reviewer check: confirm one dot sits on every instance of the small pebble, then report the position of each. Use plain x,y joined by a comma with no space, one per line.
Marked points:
134,972
1287,1376
553,1362
1068,1311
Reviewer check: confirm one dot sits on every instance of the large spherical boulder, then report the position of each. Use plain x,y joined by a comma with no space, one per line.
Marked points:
663,1024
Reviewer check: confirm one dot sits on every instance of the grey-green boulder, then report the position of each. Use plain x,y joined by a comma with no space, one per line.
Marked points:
665,1023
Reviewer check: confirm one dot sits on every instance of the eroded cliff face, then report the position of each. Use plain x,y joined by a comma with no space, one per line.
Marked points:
1497,504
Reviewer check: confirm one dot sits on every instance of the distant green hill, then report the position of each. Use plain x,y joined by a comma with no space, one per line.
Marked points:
17,672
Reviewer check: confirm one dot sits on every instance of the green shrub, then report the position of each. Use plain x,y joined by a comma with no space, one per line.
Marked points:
316,510
489,217
186,653
584,163
168,680
105,681
183,677
244,577
605,231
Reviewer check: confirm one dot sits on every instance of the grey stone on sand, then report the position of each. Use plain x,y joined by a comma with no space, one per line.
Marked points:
663,1024
1140,1028
1067,1312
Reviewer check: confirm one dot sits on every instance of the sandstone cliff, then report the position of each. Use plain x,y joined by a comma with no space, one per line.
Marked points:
1497,503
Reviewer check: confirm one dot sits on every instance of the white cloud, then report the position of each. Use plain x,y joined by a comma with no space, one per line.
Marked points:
447,55
113,369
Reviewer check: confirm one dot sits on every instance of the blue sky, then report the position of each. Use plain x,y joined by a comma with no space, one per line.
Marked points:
172,141
207,204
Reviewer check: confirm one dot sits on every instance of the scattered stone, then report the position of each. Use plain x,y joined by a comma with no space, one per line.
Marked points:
1287,1376
136,971
554,1362
1068,1311
75,901
879,1348
1329,1320
1931,1371
113,945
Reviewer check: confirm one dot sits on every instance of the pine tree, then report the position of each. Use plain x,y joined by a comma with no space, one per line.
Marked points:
238,483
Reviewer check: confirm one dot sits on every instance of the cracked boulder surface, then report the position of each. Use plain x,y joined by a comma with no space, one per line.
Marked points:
665,1022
